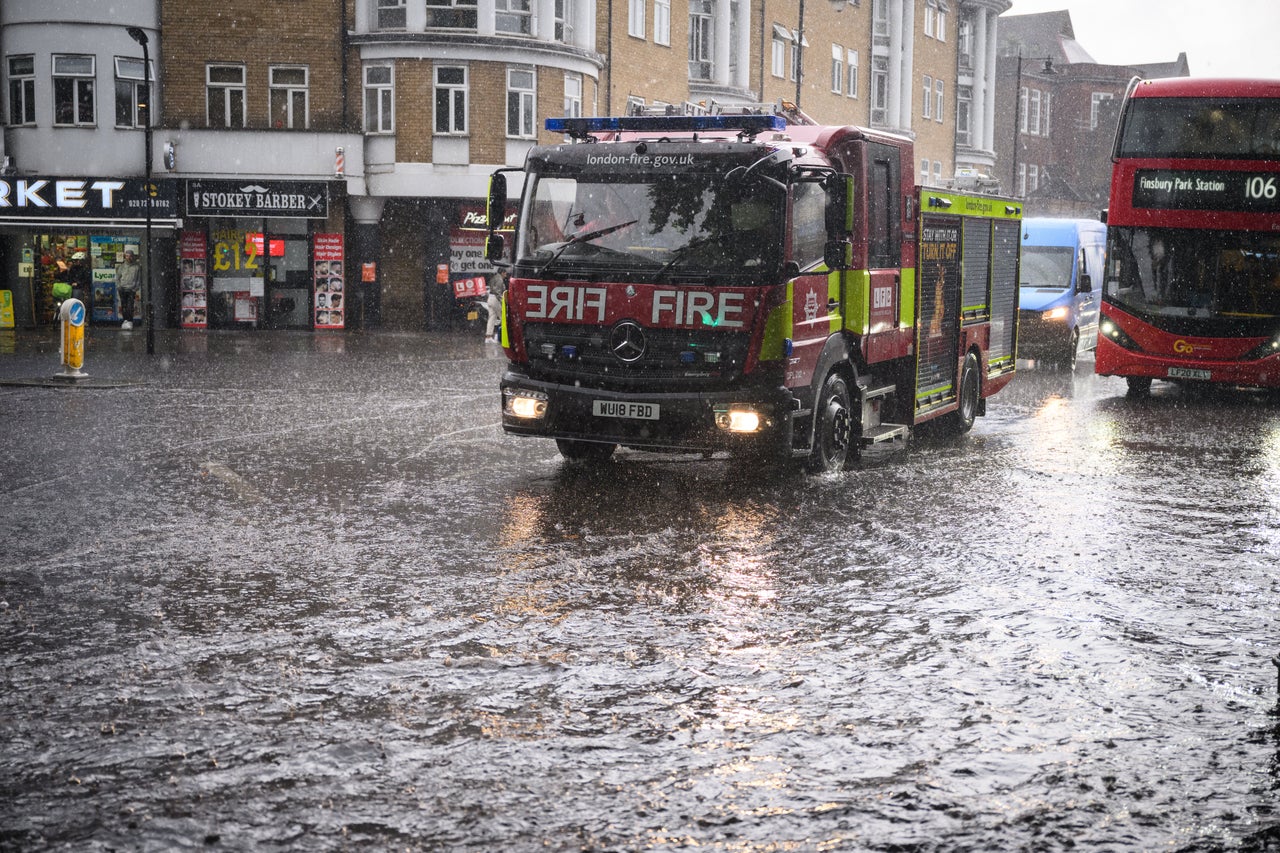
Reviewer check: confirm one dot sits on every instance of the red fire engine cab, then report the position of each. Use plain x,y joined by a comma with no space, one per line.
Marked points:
740,283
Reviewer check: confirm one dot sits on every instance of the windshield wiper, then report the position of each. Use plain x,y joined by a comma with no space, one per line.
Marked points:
678,253
586,237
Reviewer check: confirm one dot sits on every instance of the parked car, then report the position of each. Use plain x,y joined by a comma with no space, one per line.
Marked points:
1057,299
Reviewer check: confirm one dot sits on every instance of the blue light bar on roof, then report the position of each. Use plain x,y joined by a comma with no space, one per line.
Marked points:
750,124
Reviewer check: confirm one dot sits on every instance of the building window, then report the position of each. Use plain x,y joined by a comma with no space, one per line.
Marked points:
781,38
1033,118
379,99
880,21
930,13
73,101
521,98
226,96
940,21
1033,178
565,13
1021,181
662,22
514,16
964,113
927,100
451,14
451,99
635,18
1022,110
797,40
701,39
391,15
22,90
924,172
966,44
879,90
573,95
1044,116
837,69
1096,100
851,86
131,92
937,173
938,100
289,97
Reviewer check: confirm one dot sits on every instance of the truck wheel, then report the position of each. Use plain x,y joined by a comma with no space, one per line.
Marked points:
584,451
833,431
961,420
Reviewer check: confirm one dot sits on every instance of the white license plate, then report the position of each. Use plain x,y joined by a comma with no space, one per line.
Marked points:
1188,373
622,409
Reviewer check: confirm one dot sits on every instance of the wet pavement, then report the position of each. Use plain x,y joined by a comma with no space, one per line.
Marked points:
297,590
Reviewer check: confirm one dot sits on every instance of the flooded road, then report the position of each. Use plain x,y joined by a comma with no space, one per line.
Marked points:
271,593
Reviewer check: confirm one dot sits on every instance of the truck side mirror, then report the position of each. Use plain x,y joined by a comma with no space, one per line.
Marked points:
495,212
1084,284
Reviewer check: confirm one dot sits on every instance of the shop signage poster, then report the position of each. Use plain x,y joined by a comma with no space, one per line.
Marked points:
329,267
258,198
193,251
34,199
104,253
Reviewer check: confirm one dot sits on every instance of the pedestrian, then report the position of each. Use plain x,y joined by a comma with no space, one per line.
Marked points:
81,279
497,287
128,279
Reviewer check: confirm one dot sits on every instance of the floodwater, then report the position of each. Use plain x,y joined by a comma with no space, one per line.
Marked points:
298,593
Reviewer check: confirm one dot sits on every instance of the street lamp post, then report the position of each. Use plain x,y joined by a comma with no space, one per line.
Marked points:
140,37
1017,117
837,5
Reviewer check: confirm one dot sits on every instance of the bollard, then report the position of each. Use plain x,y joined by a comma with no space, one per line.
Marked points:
72,315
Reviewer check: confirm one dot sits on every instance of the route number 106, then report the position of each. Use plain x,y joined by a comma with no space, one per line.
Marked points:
1260,187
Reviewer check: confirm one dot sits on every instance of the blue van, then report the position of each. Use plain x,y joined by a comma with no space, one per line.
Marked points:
1058,300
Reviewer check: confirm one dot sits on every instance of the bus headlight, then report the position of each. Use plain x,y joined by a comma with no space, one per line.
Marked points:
1053,315
737,418
526,405
1109,330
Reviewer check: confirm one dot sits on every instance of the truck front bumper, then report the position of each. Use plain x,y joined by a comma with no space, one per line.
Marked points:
745,418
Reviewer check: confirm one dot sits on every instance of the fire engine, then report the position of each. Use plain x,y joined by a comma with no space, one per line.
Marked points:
747,283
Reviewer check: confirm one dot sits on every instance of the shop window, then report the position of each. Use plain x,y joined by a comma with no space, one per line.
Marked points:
451,99
521,98
379,99
224,85
22,90
289,97
514,16
131,92
451,14
73,96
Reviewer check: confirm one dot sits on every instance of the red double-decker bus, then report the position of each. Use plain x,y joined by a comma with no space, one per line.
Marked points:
1192,289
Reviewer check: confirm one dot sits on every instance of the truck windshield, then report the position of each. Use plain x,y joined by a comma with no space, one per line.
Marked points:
1047,266
651,226
1193,273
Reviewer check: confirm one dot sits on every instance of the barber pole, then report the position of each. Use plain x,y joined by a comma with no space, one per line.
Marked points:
340,162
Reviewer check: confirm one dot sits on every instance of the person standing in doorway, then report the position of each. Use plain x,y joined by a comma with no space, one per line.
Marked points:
128,279
80,277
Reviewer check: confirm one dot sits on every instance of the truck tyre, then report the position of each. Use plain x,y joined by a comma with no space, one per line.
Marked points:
584,451
961,420
833,428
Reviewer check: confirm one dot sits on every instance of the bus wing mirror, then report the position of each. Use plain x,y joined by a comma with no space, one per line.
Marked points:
494,247
839,219
496,209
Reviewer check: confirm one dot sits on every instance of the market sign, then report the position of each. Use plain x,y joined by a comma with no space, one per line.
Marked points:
304,199
86,198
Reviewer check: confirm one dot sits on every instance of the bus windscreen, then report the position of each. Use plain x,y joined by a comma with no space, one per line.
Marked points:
1201,128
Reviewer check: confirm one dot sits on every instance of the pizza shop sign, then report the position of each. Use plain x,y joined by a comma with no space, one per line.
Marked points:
305,199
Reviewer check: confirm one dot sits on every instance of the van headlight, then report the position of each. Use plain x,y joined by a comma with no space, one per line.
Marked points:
1055,314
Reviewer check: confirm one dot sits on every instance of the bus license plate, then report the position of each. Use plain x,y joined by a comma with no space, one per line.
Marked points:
1188,373
621,409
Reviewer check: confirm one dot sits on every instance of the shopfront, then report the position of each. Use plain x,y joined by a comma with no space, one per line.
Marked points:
261,254
87,232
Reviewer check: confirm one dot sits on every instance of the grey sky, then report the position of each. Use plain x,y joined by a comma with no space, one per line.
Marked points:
1223,38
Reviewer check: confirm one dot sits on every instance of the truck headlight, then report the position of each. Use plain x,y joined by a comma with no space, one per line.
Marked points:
737,418
527,405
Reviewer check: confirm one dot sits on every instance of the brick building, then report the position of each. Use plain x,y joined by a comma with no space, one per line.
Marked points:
342,148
